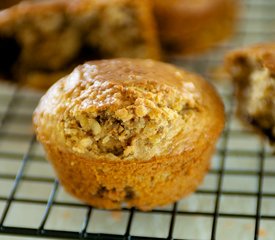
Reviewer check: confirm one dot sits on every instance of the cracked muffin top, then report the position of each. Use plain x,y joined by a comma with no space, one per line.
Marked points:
129,109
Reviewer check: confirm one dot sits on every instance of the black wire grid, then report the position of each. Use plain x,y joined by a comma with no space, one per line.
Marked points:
236,201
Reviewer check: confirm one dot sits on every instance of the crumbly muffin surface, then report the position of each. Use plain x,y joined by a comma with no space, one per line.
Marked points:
125,109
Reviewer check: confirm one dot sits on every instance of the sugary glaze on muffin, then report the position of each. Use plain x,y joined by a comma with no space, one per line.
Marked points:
41,37
253,71
126,109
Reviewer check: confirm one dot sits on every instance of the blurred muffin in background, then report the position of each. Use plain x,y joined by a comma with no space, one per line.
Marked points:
193,26
44,40
253,72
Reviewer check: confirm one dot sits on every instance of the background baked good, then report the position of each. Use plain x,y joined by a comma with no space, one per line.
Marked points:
42,40
253,72
192,26
129,131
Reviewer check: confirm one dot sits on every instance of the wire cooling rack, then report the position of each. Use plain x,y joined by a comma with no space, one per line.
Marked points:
236,201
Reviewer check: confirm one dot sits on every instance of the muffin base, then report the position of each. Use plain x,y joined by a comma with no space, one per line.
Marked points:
141,184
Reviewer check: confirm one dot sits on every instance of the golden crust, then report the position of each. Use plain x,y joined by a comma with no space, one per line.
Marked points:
153,115
252,69
192,26
56,35
141,184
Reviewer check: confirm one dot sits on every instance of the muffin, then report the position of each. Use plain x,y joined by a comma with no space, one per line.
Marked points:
192,26
43,40
253,72
129,132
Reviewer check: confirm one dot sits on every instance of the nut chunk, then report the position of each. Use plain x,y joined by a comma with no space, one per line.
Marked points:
253,72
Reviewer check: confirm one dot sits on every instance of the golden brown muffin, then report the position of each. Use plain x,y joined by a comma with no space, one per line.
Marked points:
42,38
134,132
191,26
253,72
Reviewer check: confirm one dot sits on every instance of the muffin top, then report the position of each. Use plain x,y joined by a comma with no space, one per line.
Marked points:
128,109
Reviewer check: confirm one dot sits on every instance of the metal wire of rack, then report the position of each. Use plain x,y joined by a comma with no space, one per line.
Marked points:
236,201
